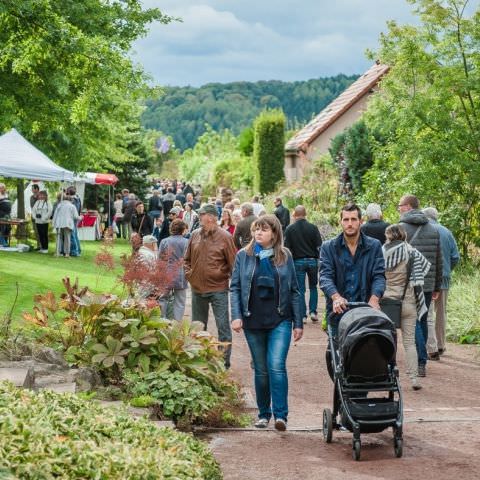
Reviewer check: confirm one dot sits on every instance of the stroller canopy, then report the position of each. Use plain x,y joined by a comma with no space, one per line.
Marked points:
365,323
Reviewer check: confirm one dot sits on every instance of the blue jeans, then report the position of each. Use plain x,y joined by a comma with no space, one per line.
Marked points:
269,349
75,249
309,267
421,332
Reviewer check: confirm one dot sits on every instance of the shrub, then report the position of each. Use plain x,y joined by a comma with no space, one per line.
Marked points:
179,396
50,436
268,145
463,305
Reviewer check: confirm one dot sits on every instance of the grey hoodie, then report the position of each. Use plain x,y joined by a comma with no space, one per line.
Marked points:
427,242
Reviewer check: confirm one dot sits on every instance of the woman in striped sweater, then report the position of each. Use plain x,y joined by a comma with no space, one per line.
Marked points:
405,270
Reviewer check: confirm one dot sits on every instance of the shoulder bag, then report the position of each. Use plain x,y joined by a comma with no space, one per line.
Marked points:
392,307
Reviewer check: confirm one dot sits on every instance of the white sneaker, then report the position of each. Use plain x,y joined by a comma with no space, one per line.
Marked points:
43,251
261,423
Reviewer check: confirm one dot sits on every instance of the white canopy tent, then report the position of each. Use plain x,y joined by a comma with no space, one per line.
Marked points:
20,159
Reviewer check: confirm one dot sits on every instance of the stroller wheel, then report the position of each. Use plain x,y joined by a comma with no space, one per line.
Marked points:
398,446
327,425
356,447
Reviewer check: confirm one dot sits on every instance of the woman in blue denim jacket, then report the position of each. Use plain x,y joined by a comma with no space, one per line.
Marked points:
265,303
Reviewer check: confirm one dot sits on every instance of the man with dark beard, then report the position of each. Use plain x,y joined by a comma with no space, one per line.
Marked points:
352,268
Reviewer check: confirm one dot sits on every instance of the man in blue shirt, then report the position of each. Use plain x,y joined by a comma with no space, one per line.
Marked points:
352,268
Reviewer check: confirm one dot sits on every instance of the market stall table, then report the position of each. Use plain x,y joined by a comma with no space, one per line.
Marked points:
89,226
16,222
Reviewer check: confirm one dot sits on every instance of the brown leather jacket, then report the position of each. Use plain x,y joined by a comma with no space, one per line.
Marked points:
209,260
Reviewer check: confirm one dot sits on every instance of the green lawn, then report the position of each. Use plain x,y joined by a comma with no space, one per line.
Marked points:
39,273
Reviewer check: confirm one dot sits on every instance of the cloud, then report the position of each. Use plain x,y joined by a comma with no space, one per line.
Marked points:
230,40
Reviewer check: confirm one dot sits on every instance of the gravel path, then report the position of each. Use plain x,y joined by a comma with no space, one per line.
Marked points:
441,431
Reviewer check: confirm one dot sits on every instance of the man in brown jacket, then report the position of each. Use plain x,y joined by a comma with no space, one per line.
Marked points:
208,265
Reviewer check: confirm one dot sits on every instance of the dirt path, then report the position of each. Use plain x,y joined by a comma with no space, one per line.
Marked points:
441,431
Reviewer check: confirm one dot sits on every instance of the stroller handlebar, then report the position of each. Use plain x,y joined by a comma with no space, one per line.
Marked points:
350,306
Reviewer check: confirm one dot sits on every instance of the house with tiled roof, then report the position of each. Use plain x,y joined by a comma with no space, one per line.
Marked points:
314,139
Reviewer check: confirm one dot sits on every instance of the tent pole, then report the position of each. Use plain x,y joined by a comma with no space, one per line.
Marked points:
21,233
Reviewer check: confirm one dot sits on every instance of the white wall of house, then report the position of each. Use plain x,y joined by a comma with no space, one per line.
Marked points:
295,165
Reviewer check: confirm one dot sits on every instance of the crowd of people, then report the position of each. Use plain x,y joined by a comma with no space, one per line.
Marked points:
262,263
63,214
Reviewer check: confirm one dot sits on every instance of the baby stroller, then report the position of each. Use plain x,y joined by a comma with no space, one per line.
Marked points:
362,361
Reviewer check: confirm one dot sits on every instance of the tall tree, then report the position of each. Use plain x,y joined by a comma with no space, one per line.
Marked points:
66,80
428,115
268,153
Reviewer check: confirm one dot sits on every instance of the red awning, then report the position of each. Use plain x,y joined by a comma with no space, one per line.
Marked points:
106,179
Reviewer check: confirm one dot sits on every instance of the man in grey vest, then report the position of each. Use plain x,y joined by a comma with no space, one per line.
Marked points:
425,238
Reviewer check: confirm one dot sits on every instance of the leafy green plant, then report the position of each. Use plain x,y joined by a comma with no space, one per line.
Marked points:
110,354
143,401
179,396
463,305
47,435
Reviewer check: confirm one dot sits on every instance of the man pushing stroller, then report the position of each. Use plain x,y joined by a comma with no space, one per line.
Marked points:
352,267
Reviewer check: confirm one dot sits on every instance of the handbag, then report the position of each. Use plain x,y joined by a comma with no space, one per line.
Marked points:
136,237
392,307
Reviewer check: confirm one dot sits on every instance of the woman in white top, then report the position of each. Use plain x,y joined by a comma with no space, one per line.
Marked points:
41,214
190,217
64,220
118,215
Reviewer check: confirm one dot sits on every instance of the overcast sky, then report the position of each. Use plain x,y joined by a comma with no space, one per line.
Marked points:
229,40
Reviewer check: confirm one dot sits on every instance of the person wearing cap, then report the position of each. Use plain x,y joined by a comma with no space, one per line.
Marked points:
209,261
148,251
147,256
141,222
172,215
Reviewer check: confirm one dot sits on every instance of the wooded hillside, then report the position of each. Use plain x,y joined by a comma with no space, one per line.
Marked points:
183,111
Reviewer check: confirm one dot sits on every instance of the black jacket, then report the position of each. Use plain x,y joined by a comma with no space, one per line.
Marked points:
303,239
5,207
376,229
142,224
283,216
155,203
427,242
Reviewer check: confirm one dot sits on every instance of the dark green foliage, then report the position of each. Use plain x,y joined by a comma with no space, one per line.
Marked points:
178,395
268,154
337,146
133,172
184,111
428,113
353,146
67,81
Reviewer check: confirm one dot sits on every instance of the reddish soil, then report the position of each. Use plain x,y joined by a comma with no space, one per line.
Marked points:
441,430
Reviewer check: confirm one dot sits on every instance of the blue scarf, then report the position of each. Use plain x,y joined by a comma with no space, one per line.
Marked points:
265,278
